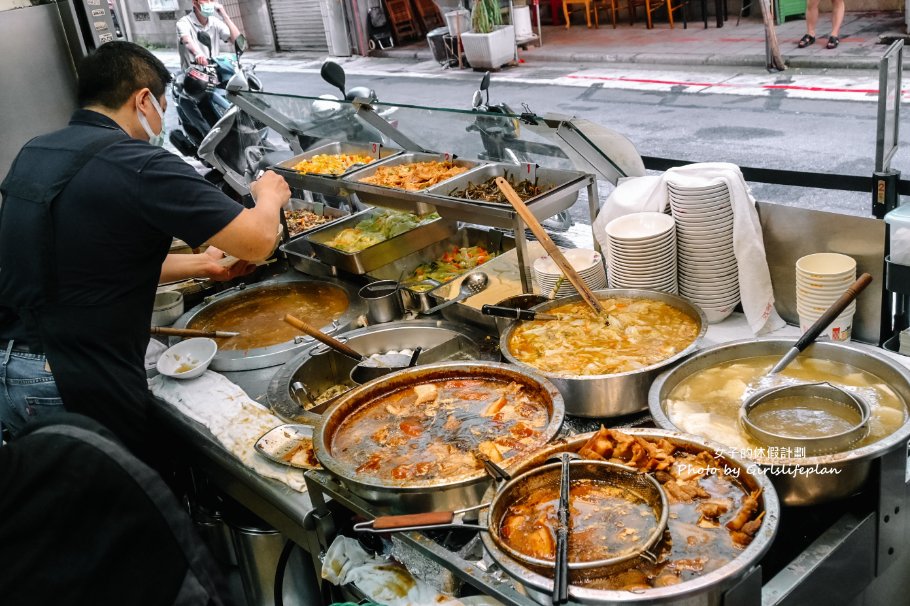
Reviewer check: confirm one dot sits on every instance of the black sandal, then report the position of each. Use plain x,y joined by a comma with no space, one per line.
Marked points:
833,41
806,41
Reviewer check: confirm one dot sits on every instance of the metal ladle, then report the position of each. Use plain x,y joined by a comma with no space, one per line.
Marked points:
819,390
470,286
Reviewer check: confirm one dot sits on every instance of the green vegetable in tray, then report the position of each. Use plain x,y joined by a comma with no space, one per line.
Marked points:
449,266
378,228
488,191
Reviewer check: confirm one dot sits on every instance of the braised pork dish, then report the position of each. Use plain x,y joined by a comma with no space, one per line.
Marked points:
436,430
712,517
632,334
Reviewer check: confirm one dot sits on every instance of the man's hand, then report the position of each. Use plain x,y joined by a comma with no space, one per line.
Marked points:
201,60
216,271
271,188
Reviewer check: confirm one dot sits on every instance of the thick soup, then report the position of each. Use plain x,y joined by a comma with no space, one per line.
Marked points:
708,402
431,431
637,333
259,315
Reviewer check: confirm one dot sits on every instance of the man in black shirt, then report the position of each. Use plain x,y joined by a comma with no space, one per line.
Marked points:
86,222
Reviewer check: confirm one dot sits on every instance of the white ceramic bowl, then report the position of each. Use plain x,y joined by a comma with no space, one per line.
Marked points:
639,226
167,308
187,359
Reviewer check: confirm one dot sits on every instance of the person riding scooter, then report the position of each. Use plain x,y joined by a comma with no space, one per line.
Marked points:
211,18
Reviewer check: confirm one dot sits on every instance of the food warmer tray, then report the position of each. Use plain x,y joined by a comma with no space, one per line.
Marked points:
564,187
375,256
392,197
492,240
286,168
317,208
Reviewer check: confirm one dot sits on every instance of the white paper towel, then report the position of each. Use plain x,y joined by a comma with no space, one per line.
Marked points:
233,418
649,194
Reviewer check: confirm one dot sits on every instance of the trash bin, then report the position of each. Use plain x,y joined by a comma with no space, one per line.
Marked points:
258,551
437,44
215,534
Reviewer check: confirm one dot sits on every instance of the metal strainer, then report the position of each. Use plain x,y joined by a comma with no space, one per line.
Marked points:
639,486
814,445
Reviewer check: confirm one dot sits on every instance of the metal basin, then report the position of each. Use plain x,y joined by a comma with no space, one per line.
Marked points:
598,396
319,368
705,590
410,496
833,476
272,355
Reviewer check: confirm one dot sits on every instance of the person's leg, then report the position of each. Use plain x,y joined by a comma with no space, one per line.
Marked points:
812,16
837,16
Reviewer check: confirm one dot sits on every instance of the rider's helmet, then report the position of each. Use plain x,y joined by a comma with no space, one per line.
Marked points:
197,83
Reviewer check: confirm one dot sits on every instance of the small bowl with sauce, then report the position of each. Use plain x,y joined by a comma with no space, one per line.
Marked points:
187,359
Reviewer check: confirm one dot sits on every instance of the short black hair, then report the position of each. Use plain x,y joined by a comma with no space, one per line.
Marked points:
116,70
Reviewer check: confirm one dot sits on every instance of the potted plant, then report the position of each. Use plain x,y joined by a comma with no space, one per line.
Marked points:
491,44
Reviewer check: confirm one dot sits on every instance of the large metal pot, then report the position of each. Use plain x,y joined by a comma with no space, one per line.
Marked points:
319,368
409,496
705,590
263,357
804,480
598,396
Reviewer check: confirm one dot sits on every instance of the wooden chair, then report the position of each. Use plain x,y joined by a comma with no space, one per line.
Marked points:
650,7
606,4
429,15
403,22
587,6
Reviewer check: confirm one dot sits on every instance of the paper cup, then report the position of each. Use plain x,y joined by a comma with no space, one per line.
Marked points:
826,265
840,330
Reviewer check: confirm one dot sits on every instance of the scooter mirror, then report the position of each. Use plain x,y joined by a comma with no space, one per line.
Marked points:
485,83
477,100
240,44
333,74
205,40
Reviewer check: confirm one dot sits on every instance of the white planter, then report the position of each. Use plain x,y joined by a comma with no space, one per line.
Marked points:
490,50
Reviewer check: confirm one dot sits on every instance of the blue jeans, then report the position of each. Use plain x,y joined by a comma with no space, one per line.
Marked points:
27,389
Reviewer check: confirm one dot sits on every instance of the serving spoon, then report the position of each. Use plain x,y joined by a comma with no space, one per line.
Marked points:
472,284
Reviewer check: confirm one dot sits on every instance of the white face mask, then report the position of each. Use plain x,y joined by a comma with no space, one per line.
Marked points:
207,8
154,139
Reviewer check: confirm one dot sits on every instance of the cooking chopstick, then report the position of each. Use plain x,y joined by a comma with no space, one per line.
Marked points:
544,238
192,332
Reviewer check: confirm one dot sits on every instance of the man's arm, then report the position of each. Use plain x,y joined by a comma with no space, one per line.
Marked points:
253,233
234,32
185,34
178,267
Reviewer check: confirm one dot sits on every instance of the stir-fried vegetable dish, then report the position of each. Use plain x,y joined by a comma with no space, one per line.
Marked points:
331,164
631,334
450,265
434,430
488,191
379,228
300,221
414,176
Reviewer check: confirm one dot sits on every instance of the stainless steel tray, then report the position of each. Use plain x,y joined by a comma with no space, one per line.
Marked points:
492,240
379,254
391,197
318,208
281,443
563,185
334,149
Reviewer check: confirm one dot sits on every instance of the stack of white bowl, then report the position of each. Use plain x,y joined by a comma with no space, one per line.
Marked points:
708,275
642,252
588,263
820,281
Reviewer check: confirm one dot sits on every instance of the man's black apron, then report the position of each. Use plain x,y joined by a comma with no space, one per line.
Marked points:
96,353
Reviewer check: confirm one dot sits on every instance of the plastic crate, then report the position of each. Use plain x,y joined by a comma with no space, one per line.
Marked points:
788,8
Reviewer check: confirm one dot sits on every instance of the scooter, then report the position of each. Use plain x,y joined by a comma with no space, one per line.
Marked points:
200,95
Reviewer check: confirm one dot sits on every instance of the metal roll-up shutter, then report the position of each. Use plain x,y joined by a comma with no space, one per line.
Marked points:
298,25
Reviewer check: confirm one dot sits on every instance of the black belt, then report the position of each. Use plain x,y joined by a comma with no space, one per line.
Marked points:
24,347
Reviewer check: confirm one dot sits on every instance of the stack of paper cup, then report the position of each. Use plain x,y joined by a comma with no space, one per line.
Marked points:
820,281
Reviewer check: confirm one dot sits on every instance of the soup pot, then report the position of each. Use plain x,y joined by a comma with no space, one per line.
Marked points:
832,476
278,353
612,395
704,590
419,495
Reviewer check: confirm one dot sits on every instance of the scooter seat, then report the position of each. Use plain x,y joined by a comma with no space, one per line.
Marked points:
274,157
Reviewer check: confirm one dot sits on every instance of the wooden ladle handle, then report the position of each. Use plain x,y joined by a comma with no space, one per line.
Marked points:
544,238
322,337
432,518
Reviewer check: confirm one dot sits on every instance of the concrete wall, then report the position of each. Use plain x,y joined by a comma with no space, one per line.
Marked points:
258,28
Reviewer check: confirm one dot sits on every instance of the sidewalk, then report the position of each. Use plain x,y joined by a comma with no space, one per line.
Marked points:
731,45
